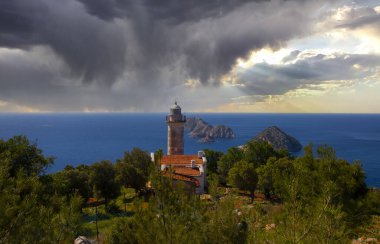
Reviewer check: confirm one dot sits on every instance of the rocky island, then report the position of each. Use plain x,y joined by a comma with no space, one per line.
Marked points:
279,139
198,128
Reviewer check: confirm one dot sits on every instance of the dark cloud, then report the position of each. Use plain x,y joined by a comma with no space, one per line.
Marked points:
144,46
277,79
172,11
93,50
17,21
373,19
101,39
357,17
368,20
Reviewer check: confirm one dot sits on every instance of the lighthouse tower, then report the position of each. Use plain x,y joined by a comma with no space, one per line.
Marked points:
176,125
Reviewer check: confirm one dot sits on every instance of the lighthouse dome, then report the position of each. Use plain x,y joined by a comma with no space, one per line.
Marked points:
175,109
175,106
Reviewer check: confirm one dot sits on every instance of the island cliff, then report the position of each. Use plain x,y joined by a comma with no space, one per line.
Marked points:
279,139
198,128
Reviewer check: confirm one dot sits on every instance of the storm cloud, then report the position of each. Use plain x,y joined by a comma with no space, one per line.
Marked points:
99,40
113,54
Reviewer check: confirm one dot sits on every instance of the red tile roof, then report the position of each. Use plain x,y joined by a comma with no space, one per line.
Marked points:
181,178
186,171
180,159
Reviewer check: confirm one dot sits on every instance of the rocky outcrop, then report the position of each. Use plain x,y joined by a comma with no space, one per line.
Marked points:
279,139
198,128
82,240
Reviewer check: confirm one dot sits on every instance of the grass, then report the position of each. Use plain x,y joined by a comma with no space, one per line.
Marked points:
107,220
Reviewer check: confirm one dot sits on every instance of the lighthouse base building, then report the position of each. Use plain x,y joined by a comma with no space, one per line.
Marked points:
190,169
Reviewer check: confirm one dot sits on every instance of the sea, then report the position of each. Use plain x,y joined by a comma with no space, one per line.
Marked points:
85,138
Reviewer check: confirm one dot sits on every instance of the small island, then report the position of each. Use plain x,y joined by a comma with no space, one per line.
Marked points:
205,132
278,139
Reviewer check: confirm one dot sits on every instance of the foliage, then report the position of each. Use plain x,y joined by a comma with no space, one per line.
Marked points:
227,161
213,183
174,215
258,152
112,207
130,176
323,197
158,156
254,152
224,223
22,155
73,180
103,180
139,159
30,213
134,169
171,216
372,202
243,176
265,174
212,160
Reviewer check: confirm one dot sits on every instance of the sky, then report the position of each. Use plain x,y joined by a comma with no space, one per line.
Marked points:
260,56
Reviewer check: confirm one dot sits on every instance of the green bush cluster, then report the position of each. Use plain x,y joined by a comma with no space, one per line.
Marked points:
39,208
314,198
310,199
30,210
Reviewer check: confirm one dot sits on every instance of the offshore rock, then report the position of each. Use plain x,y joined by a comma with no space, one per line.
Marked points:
205,132
279,139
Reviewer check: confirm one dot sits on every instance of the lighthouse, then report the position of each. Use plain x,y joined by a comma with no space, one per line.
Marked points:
189,169
176,125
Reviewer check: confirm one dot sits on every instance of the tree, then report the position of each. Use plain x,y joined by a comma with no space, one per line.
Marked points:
258,152
30,213
243,176
103,180
139,159
212,160
227,161
213,183
348,182
171,216
130,176
175,216
73,180
134,169
265,176
24,156
323,197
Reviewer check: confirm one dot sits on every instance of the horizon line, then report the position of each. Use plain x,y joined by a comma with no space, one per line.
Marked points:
190,112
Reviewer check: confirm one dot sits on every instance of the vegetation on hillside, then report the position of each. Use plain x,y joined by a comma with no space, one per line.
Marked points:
313,198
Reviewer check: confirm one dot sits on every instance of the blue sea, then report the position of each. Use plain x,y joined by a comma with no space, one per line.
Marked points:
87,138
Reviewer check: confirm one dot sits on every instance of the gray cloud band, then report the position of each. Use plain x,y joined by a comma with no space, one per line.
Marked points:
100,40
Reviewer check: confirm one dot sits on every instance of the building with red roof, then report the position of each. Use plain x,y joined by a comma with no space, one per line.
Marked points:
188,168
